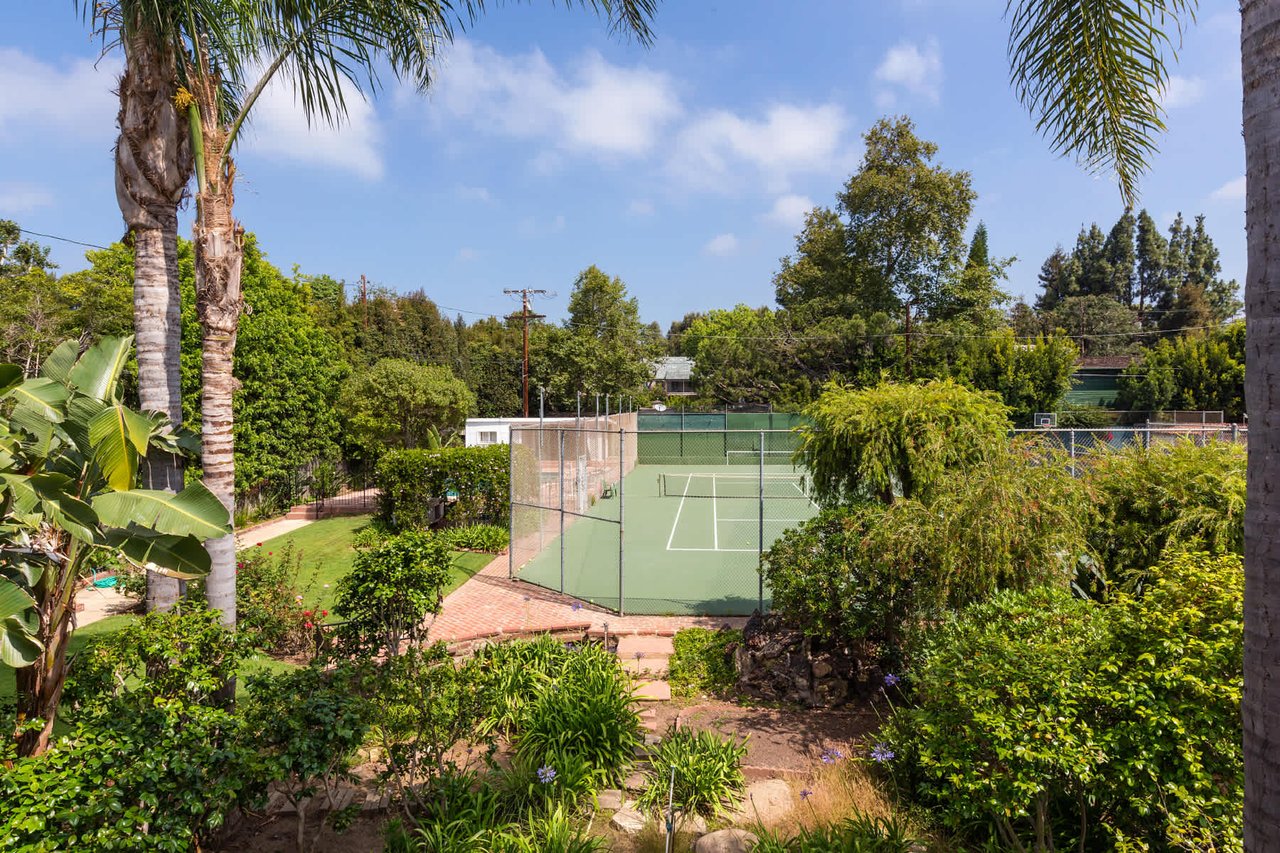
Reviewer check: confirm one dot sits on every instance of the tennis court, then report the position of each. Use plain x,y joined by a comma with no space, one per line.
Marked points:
691,532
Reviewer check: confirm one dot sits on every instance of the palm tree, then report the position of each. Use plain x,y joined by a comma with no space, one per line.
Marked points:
320,46
1092,72
153,167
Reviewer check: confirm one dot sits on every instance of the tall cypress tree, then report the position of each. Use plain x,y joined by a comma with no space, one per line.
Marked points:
1059,279
1119,255
1095,270
1152,287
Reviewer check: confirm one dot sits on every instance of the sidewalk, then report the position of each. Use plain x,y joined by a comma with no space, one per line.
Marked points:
490,602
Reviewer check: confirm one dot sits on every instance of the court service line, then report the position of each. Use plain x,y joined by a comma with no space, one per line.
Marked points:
679,509
806,497
715,521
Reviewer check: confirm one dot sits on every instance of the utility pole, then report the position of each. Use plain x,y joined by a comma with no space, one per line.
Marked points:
524,317
364,299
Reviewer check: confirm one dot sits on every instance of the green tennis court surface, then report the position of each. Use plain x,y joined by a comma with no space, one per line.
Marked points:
691,544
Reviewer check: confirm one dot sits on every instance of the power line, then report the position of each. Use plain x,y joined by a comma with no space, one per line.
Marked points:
63,239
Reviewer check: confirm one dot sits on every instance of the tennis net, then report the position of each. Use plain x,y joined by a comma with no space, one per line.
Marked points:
713,485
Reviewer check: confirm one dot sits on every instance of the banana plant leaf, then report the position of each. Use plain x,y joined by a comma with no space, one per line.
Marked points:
96,372
119,437
17,645
180,557
194,511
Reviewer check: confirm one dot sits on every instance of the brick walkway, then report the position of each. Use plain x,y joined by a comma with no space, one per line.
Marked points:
489,603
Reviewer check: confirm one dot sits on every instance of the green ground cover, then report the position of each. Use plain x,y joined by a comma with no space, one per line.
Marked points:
327,555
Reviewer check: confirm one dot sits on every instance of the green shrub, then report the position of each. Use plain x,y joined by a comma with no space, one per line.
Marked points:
308,723
1038,714
1173,497
857,834
183,656
585,714
516,674
390,590
898,439
489,538
468,814
702,663
708,773
149,762
475,480
873,571
158,777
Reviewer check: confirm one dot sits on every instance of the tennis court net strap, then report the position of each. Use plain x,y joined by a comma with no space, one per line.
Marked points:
699,485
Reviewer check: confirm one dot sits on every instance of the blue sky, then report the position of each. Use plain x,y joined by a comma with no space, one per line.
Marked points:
547,146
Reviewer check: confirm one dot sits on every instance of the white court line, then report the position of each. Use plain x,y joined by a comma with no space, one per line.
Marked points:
715,522
806,497
676,522
721,550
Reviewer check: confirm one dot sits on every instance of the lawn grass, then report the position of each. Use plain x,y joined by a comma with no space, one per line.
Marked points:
327,556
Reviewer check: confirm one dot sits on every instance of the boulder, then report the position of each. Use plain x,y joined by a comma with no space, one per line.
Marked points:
766,801
628,820
726,841
777,663
609,799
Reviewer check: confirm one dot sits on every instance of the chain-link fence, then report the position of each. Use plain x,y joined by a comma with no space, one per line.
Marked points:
1079,443
653,522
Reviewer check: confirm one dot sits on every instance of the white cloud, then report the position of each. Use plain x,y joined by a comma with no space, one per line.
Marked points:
76,99
1232,190
279,131
721,245
467,254
480,194
711,151
789,210
640,207
1183,92
599,108
23,198
912,68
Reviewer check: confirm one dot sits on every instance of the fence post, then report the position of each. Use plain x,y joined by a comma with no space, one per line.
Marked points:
562,512
1071,449
622,455
1235,433
760,546
511,504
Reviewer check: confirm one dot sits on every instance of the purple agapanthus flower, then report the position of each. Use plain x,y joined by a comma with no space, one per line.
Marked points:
576,606
891,680
880,753
831,756
805,794
546,775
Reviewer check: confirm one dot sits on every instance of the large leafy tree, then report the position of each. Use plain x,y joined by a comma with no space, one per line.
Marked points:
1092,72
70,452
400,404
602,346
906,221
1203,370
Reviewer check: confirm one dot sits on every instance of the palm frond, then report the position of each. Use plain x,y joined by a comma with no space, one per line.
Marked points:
1093,74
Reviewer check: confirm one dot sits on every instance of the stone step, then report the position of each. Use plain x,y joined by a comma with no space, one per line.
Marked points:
647,665
646,645
652,691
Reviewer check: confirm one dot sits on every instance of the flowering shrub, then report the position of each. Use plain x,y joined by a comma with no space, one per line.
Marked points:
269,606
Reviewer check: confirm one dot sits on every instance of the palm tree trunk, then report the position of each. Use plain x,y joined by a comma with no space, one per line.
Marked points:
153,165
1260,60
219,243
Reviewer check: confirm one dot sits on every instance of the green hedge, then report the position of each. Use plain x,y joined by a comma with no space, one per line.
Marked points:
411,481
